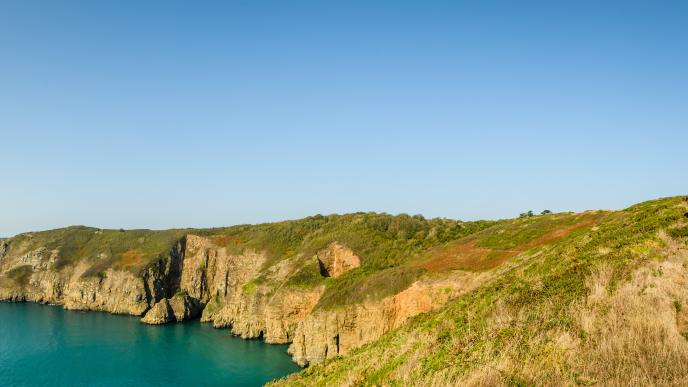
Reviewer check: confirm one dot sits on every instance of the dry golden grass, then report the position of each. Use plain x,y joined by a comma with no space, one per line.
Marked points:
634,332
631,335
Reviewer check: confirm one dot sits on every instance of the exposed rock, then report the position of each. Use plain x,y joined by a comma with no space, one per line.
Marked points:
117,292
160,313
185,307
113,291
179,308
326,334
209,271
161,279
225,282
336,260
273,317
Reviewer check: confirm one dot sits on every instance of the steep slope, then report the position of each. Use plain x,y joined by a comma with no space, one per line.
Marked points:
601,300
91,269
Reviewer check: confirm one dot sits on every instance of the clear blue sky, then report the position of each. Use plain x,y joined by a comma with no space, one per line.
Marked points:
163,114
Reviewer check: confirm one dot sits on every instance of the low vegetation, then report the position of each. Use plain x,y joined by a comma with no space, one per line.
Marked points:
21,274
595,298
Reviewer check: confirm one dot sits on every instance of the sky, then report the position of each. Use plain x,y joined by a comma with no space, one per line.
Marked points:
164,114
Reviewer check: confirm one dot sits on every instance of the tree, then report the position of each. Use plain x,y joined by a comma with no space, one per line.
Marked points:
545,212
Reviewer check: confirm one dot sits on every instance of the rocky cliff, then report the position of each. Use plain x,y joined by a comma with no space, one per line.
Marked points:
326,285
331,333
204,277
29,273
229,290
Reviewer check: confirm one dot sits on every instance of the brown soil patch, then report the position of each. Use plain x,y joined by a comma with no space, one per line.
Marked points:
131,258
558,234
468,256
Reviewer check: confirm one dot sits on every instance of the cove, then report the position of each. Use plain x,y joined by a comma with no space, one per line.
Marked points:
47,345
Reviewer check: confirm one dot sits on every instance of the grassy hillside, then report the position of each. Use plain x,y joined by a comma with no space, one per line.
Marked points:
596,298
385,243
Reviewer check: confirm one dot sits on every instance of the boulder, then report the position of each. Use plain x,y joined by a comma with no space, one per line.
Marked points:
185,307
160,313
179,308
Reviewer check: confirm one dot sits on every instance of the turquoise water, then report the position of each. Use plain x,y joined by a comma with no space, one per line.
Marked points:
46,345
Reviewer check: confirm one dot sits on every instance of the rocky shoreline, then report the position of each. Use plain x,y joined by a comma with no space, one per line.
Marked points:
200,279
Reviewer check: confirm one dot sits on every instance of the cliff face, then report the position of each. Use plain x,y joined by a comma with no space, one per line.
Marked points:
229,290
29,275
327,334
239,294
117,292
254,303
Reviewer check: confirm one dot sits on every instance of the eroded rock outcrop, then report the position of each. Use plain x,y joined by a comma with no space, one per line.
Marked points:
337,259
185,307
179,308
160,313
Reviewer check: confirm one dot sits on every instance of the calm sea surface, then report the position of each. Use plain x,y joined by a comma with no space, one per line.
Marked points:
46,345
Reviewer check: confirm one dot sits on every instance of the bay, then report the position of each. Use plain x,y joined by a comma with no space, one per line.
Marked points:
47,345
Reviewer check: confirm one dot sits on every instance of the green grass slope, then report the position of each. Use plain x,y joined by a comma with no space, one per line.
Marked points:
596,298
386,245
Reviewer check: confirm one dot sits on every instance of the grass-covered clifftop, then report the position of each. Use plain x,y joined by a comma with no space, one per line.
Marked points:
395,251
597,298
385,243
